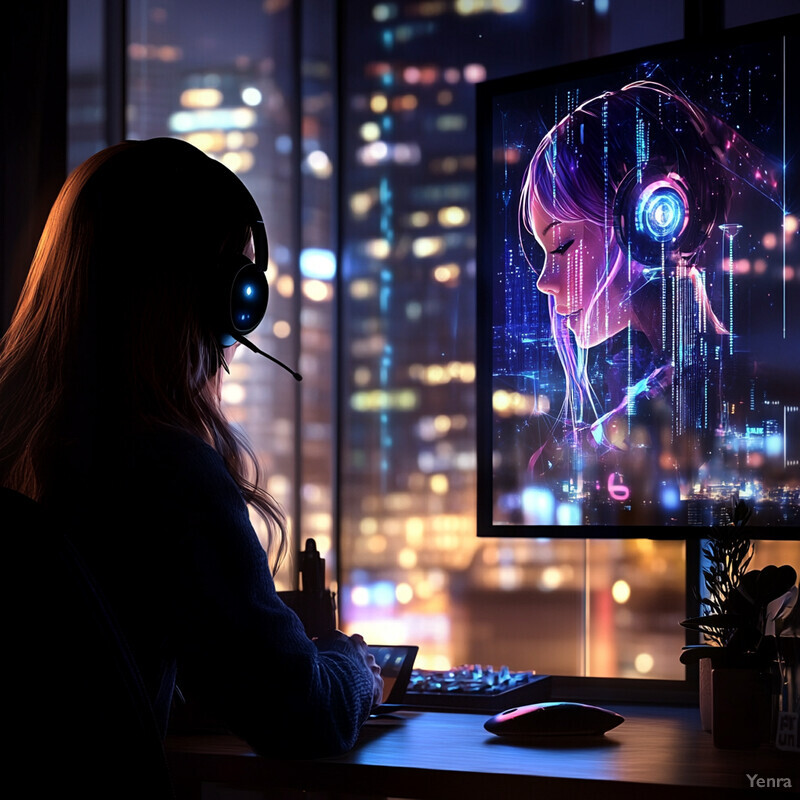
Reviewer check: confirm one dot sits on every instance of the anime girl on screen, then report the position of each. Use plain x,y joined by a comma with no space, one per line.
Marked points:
629,197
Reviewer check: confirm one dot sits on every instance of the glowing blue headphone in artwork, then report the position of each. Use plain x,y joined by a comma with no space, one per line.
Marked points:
655,217
661,212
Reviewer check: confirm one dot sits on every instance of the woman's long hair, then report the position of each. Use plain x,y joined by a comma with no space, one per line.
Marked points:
111,333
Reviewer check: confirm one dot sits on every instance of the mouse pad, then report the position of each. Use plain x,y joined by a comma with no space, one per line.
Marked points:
396,663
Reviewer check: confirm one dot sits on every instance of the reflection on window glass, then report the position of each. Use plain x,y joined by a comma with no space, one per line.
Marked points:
414,570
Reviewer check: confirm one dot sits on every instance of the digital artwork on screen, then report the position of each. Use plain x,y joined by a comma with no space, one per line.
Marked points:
639,290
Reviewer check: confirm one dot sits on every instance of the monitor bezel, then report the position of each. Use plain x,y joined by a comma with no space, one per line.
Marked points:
486,94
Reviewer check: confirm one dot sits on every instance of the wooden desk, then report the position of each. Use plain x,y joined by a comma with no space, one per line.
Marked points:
656,753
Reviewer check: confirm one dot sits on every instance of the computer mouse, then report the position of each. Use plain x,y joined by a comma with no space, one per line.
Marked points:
553,719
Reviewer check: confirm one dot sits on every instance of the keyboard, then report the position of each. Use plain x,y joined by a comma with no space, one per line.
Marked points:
473,687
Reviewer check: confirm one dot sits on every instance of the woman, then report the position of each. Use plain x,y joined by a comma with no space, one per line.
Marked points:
626,195
110,417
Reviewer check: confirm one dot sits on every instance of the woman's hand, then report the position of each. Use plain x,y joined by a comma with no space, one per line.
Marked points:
338,640
369,660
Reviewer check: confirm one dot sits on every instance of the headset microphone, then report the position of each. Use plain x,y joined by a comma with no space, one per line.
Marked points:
250,346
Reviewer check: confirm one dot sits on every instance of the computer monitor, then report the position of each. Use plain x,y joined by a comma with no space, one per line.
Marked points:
638,359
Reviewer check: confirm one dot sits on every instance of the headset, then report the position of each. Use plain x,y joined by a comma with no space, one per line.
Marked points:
656,217
235,293
667,207
240,290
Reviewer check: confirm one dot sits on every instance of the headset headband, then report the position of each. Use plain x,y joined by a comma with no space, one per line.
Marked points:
237,290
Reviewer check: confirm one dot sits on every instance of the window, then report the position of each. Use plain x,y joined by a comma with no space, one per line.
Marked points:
412,568
228,80
362,162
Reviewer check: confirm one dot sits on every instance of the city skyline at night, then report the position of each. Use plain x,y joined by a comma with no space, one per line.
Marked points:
372,173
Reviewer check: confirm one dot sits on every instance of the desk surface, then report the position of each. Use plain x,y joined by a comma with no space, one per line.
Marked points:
656,753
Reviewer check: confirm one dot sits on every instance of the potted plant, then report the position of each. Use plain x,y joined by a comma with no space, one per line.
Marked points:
745,611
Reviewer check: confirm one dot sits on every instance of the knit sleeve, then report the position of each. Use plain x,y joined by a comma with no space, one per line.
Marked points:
240,649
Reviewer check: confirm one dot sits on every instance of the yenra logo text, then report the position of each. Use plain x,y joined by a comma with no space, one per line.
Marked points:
757,782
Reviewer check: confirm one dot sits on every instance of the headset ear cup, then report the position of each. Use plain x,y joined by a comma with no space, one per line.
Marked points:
240,299
656,218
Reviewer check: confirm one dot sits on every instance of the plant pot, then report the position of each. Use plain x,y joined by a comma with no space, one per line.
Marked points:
706,694
743,702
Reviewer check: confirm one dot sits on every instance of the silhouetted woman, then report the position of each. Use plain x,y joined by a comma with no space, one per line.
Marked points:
110,417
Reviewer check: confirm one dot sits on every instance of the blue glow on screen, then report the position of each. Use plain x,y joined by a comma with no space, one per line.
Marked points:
670,497
568,514
774,444
538,506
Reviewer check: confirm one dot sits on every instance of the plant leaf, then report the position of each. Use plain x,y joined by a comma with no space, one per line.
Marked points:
713,621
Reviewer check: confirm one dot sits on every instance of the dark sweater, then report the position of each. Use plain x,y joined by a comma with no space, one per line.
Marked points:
182,566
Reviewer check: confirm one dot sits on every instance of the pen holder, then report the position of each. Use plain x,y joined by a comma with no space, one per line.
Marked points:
317,611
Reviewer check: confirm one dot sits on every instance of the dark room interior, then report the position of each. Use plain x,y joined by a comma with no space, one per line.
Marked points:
466,400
